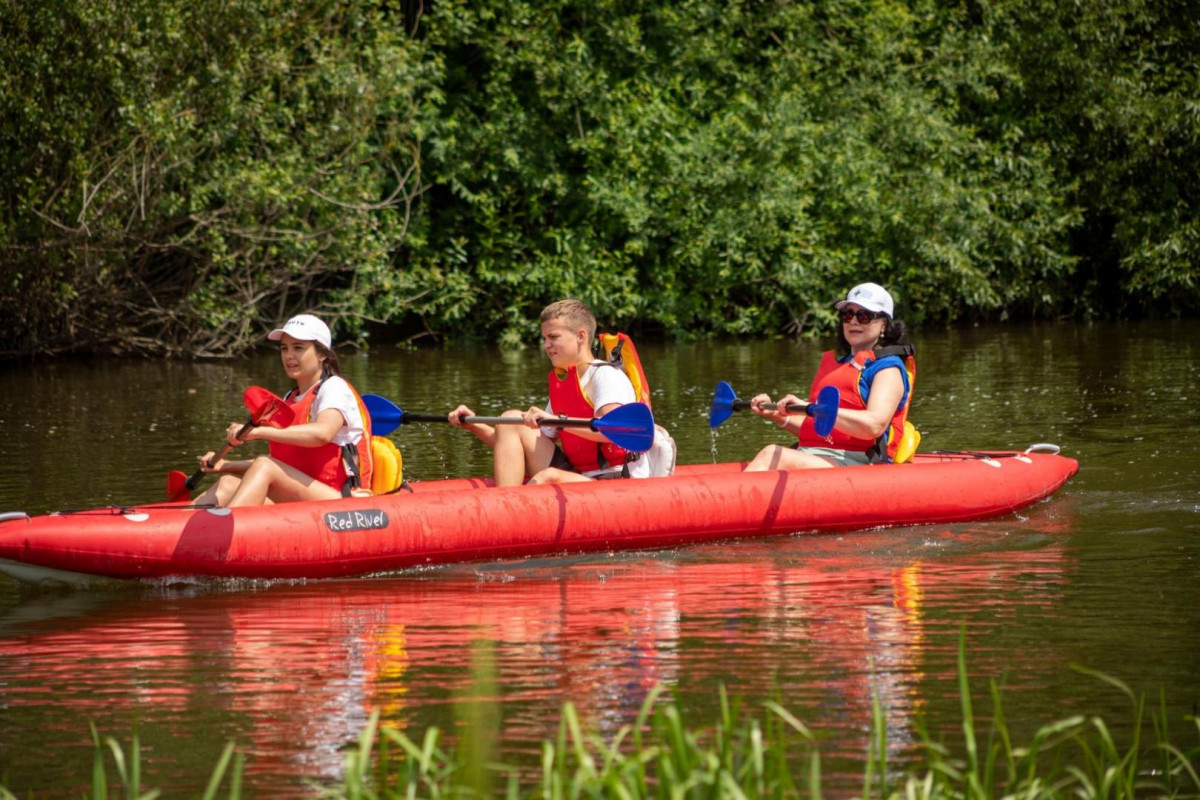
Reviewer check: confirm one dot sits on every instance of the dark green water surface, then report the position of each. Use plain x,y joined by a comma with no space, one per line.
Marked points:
1106,574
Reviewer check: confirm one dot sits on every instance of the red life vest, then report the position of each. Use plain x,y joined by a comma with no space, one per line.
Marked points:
327,463
845,376
567,396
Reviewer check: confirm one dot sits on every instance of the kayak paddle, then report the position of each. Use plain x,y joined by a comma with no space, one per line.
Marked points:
265,408
630,426
824,412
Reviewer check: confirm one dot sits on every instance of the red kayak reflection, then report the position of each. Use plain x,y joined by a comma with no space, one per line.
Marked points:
292,672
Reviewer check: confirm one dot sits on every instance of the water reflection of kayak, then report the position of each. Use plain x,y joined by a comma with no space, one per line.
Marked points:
465,520
293,670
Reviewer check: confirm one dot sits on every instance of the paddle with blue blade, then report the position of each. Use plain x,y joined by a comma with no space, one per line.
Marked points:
630,426
265,407
824,412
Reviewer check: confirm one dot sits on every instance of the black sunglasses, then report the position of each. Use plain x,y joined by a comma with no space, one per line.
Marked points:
862,315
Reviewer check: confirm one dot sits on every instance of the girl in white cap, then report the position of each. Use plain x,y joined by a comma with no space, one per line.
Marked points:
323,454
873,370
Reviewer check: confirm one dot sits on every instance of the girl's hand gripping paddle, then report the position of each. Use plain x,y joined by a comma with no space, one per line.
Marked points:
265,409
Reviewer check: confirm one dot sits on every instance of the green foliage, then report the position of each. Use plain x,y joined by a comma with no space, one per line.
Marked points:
175,177
731,167
1113,89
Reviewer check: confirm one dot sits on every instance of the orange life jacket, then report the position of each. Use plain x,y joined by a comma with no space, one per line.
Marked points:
343,468
620,352
567,396
846,375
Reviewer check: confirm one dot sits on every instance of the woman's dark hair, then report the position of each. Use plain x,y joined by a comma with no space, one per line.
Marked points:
329,365
893,333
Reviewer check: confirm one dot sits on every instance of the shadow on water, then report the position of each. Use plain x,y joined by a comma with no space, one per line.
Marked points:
1103,574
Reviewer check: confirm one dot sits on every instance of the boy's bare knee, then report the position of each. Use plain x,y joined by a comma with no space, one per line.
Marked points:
546,476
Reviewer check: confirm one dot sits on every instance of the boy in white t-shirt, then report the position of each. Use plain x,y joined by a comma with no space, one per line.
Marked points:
579,387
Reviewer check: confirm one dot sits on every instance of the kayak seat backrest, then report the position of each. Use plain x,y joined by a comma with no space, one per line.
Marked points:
389,466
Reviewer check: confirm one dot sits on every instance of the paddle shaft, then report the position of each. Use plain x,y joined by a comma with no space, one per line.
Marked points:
195,477
553,422
630,426
793,408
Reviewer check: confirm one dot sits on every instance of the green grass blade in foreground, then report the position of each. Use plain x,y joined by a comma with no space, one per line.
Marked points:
737,758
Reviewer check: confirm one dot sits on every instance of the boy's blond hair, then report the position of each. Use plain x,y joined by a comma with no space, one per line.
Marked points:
574,313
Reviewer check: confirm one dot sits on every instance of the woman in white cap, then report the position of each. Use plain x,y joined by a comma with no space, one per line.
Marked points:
873,370
324,454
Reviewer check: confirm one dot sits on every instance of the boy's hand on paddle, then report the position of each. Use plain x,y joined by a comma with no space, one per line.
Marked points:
457,414
534,417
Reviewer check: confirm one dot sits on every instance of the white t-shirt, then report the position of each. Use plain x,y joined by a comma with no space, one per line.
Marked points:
605,385
336,393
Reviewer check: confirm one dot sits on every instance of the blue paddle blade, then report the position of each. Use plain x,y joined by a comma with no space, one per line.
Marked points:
630,426
386,416
722,404
825,410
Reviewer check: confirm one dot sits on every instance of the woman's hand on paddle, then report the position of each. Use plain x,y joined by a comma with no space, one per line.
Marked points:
756,405
781,410
779,414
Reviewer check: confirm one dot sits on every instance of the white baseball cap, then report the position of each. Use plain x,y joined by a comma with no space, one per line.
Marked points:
870,296
305,327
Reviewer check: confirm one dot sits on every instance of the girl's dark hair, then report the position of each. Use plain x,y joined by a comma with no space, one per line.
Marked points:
893,333
329,366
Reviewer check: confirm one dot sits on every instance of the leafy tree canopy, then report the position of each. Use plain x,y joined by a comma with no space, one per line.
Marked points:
177,177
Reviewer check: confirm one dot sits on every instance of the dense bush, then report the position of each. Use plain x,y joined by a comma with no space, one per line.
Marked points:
1113,89
173,174
175,177
723,166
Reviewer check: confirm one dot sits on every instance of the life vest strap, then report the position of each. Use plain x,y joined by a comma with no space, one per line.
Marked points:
350,459
902,350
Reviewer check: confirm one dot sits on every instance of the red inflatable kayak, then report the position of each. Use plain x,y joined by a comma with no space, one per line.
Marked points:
466,520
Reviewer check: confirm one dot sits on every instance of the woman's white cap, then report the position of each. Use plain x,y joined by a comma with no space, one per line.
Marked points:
305,327
870,296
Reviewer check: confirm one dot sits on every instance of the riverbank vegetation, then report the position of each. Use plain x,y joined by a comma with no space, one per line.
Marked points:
738,757
177,177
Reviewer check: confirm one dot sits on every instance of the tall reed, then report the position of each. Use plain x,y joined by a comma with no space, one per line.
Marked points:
659,756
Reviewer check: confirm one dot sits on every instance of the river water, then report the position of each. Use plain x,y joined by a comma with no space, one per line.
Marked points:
1106,574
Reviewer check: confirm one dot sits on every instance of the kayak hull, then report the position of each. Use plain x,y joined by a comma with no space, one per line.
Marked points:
464,520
